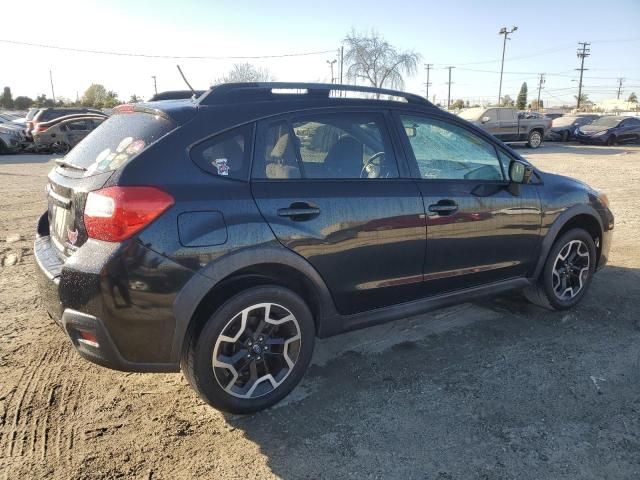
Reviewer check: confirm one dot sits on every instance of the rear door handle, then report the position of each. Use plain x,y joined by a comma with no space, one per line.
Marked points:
444,207
299,211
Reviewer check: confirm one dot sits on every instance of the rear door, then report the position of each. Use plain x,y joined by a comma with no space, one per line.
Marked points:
477,231
334,191
508,125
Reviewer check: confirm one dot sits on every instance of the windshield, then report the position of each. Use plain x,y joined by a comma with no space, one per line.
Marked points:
607,121
119,138
472,113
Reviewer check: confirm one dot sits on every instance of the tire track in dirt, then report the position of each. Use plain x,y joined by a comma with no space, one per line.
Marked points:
42,408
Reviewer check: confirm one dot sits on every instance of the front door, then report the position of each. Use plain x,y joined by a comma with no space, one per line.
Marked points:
477,231
333,191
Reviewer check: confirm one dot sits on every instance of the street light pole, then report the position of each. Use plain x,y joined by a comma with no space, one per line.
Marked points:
331,63
506,33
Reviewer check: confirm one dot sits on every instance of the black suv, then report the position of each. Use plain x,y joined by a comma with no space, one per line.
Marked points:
221,235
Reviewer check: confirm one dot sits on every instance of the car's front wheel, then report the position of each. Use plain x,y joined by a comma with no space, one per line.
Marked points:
567,272
252,351
535,139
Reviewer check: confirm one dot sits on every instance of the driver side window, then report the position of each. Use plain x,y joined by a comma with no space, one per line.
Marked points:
444,151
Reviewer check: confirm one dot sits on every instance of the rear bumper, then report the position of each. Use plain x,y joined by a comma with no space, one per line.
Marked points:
103,351
97,291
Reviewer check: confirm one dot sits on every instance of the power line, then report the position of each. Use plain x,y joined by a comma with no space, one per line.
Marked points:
144,55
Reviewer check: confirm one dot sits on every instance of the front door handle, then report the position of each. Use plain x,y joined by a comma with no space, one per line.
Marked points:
444,207
299,211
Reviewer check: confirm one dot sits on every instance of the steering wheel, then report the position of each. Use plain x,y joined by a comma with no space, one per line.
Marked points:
372,170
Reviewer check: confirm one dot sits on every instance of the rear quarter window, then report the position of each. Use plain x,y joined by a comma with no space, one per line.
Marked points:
226,155
117,140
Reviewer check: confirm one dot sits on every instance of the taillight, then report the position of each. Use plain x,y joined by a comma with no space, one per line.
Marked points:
126,108
116,213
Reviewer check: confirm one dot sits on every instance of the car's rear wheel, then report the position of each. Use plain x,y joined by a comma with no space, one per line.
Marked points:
252,351
567,272
611,141
535,139
565,136
61,148
3,148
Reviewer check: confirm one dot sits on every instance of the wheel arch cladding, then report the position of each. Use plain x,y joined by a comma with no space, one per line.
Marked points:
227,276
579,216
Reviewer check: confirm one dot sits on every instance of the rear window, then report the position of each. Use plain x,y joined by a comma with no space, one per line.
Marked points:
117,140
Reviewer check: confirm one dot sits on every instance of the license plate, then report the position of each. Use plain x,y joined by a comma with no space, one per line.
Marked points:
59,217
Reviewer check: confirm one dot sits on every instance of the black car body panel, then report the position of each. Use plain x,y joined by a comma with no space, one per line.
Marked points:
364,251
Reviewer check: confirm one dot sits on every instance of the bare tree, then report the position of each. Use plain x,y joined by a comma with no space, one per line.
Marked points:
246,72
369,57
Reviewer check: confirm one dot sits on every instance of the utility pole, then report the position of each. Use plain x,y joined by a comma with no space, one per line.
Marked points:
341,62
583,52
428,84
449,94
331,63
506,33
53,95
540,83
620,80
155,85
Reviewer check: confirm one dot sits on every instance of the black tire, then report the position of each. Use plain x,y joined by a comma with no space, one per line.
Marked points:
543,293
3,148
611,141
61,148
197,359
535,139
566,136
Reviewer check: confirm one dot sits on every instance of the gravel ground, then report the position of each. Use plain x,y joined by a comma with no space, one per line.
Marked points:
497,389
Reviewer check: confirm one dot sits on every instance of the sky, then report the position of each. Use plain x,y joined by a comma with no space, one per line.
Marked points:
463,34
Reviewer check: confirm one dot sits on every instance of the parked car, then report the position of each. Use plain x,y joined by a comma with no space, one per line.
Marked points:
10,139
610,130
11,135
64,133
204,235
48,114
505,124
564,128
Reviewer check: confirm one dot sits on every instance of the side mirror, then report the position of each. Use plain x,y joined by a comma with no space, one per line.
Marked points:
485,119
520,172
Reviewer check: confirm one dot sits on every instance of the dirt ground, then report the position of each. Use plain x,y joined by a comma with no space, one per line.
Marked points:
496,389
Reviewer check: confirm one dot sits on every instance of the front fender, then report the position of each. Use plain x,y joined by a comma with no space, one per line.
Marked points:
556,227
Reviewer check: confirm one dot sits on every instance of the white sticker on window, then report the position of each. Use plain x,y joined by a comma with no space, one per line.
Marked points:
222,166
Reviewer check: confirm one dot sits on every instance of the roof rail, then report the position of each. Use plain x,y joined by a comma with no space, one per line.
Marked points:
265,90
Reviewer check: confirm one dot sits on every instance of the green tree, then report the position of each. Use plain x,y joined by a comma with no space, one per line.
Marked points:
134,99
97,96
43,101
632,98
521,102
22,103
370,58
6,100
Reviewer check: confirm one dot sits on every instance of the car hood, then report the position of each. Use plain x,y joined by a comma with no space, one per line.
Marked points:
590,129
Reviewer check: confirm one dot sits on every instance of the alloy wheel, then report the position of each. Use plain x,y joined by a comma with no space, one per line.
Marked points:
535,139
256,350
570,270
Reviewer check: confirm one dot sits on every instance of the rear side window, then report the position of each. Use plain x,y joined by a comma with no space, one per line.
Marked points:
117,140
227,154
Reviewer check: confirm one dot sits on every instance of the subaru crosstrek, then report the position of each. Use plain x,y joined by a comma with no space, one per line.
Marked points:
220,235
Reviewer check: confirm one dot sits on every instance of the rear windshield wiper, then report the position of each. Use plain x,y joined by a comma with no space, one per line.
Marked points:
63,163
